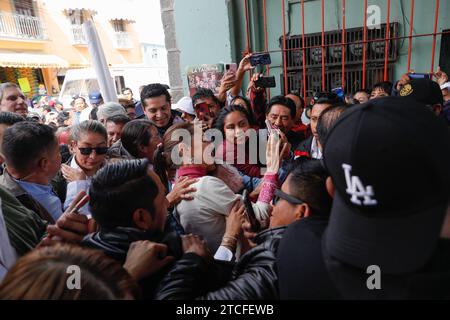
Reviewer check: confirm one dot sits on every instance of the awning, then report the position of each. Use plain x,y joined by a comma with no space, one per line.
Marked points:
67,5
31,60
118,11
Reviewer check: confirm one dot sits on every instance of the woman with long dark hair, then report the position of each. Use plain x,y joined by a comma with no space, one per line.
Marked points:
234,122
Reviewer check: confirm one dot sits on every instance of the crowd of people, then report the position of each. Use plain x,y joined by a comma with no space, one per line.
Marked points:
228,196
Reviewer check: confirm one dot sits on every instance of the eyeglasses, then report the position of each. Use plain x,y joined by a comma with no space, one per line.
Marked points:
281,195
98,150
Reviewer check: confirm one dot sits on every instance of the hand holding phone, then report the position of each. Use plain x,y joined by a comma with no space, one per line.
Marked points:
418,75
80,204
80,200
260,59
339,92
231,67
271,129
250,213
265,82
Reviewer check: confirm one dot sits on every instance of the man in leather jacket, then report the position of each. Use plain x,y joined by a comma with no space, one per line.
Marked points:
129,204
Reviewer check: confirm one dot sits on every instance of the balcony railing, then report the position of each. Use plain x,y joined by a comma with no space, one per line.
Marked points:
122,40
17,26
77,35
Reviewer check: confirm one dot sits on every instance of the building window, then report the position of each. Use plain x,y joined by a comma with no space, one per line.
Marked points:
122,38
24,7
76,17
119,25
155,54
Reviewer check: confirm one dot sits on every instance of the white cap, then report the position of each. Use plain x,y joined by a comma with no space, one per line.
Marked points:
445,86
184,105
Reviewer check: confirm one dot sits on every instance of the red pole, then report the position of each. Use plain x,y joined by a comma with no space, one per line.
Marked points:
266,43
247,26
266,37
303,50
343,44
284,49
386,43
411,24
364,46
436,17
323,43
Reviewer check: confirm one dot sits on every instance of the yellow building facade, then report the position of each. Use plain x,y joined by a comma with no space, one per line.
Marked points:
40,39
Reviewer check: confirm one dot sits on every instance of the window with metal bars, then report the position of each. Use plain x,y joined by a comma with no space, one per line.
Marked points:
119,25
354,46
24,7
76,17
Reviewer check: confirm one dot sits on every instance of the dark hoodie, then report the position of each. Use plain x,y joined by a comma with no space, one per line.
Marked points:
116,241
307,271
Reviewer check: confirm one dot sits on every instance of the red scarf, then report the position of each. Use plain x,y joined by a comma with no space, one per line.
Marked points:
192,171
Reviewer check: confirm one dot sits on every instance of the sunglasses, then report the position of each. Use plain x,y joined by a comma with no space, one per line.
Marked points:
281,195
98,150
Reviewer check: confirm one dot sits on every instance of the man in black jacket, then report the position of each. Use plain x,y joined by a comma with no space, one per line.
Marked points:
303,196
391,191
129,204
156,104
281,112
310,147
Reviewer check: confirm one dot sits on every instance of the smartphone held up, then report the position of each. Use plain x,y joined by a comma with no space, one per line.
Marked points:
260,59
265,82
231,67
250,213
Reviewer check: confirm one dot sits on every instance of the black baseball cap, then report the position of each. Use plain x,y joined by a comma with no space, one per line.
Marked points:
390,163
424,91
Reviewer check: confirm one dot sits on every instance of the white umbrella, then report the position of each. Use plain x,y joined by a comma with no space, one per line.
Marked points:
99,64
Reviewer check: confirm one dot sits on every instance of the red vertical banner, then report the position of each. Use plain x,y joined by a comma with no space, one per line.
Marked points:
303,49
247,28
323,45
364,46
411,27
266,37
433,49
386,42
343,44
284,47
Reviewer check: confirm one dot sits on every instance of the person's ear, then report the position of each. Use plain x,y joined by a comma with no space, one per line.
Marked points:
330,187
143,219
71,148
43,163
445,231
302,211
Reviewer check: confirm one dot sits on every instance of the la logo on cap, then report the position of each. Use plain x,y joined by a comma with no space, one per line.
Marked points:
356,189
